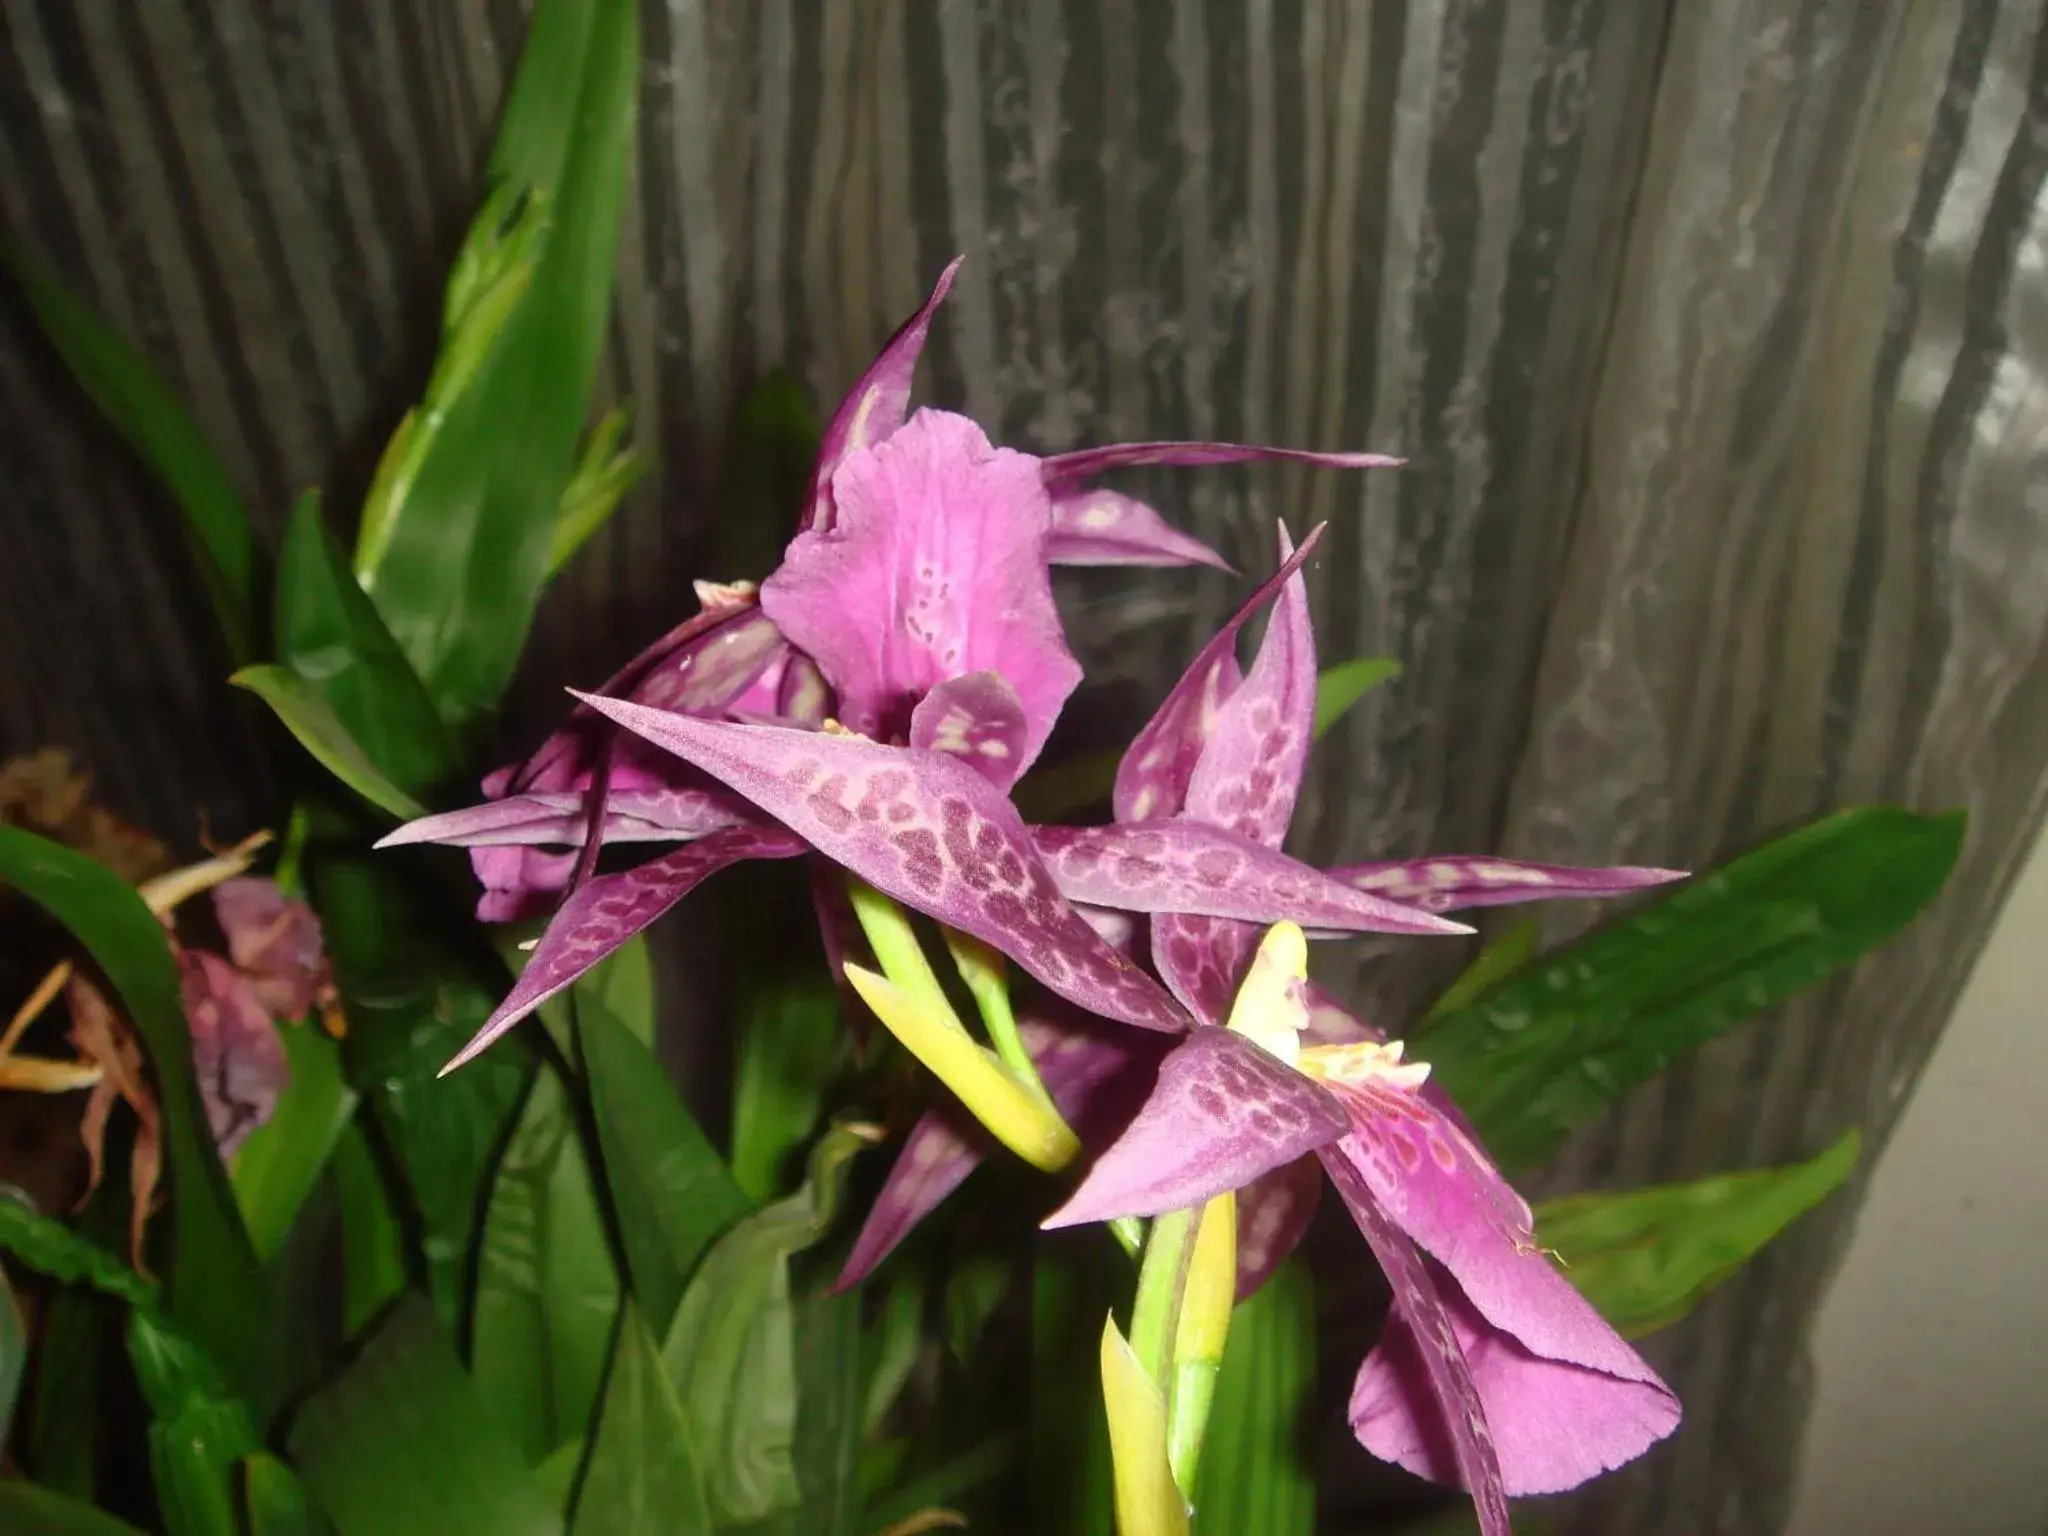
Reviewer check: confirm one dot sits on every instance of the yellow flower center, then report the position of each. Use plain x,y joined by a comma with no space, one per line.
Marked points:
1271,1010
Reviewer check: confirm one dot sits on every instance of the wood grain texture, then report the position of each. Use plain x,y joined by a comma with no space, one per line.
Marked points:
1714,332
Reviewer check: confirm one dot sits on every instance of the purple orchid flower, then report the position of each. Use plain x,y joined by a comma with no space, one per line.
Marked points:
1493,1372
237,1055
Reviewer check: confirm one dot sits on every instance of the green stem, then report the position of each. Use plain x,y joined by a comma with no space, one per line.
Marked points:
1162,1278
981,967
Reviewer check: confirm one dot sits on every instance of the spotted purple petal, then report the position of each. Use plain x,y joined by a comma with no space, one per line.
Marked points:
1451,882
1201,960
1554,1424
555,818
1222,1112
609,910
1063,469
1426,1173
1273,1212
876,405
1093,1077
1098,527
933,568
1461,1439
1331,1023
1188,866
237,1054
1152,779
926,829
978,719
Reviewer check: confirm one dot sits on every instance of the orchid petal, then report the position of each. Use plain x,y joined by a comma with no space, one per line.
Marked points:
976,718
1425,1172
275,941
556,819
1063,469
238,1057
1222,1112
1190,866
1438,1365
875,406
1554,1424
1447,883
1098,527
804,698
1152,780
1094,1077
932,569
1331,1023
609,910
1273,1212
519,883
926,829
1201,960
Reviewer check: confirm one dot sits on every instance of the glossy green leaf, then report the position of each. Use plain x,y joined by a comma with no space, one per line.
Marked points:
829,1407
307,716
731,1349
547,1293
403,1444
372,1245
461,553
330,634
621,984
1345,684
670,1189
768,467
641,1477
65,1420
275,1169
412,1001
199,1432
211,1277
1645,1257
140,406
1499,958
604,473
277,1505
27,1510
1256,1474
13,1355
791,1045
1581,1026
50,1248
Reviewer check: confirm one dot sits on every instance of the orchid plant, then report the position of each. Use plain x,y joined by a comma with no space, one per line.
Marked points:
438,1245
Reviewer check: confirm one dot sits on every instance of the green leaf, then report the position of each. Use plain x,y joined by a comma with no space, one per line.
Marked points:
1499,958
829,1400
372,1246
1074,1282
26,1510
1645,1257
893,1345
211,1278
13,1354
330,634
306,714
275,1169
732,1347
1256,1474
277,1505
461,550
547,1293
68,1410
641,1478
621,985
1147,1501
1581,1026
402,1444
603,476
974,1290
140,406
1345,684
669,1188
791,1045
198,1436
50,1248
945,1483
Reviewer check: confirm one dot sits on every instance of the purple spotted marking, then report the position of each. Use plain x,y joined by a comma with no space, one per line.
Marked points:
1273,1212
1152,780
1183,865
876,405
1453,882
1420,1320
926,829
1098,527
1222,1112
979,720
1095,1077
609,910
